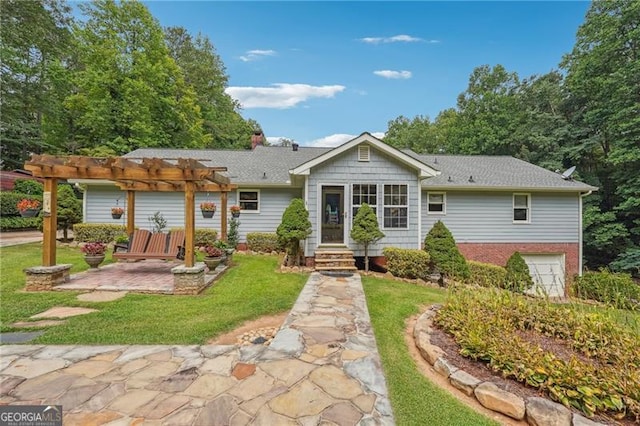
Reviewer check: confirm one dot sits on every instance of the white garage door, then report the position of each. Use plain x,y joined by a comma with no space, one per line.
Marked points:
547,271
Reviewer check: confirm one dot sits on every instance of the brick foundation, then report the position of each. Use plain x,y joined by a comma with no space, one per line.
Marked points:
44,278
499,253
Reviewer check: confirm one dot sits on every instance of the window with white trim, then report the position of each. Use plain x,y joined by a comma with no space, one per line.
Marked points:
363,193
436,202
521,208
249,201
396,206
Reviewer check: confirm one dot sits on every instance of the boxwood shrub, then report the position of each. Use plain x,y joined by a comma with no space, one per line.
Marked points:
263,242
486,274
615,289
97,232
203,236
14,223
9,201
407,263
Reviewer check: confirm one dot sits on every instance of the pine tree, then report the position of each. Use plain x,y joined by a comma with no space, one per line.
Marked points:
445,256
295,227
366,230
518,277
69,209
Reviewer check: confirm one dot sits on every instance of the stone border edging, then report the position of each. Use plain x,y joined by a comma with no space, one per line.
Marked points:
536,411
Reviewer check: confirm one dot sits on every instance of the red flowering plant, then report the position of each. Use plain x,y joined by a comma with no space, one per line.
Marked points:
28,204
94,249
213,251
117,210
235,209
208,206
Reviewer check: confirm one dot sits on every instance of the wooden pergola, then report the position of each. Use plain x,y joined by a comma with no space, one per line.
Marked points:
187,175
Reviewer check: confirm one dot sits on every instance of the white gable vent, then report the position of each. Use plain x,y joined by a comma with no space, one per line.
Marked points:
363,153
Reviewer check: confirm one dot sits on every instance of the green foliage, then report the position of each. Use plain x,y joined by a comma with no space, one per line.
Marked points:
629,261
69,209
444,253
202,236
13,223
486,274
9,202
518,278
157,222
365,230
407,263
295,227
615,289
264,242
601,376
28,186
232,236
97,232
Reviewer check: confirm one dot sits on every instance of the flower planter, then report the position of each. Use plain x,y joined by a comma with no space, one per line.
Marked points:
94,260
235,214
213,262
29,212
116,215
207,214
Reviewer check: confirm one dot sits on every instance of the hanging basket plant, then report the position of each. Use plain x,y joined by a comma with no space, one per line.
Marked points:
28,207
208,209
116,212
235,211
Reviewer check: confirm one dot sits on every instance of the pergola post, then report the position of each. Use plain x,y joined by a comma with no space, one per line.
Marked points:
223,216
131,212
189,223
50,221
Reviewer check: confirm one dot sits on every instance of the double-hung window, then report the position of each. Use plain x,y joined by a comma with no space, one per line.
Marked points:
521,208
249,201
363,193
436,203
396,206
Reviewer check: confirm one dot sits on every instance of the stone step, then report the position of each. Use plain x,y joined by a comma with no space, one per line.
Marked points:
337,251
342,259
336,268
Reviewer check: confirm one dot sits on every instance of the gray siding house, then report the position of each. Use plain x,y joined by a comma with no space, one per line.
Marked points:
493,205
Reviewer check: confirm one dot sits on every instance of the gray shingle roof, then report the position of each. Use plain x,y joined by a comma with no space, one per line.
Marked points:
270,165
262,166
493,172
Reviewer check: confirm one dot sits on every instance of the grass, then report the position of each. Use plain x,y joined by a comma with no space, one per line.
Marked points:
415,400
245,292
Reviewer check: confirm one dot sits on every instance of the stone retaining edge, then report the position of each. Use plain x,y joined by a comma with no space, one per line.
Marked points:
536,411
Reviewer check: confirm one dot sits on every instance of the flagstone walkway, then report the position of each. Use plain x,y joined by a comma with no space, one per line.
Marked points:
322,367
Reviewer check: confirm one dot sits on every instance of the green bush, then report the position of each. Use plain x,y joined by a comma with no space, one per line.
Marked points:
445,256
486,274
518,277
97,232
28,186
202,236
407,263
9,201
615,289
294,227
511,332
17,223
263,241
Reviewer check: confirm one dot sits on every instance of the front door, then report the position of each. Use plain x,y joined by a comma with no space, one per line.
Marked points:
332,214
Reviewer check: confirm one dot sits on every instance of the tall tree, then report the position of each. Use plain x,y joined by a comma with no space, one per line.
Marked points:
603,77
35,38
205,73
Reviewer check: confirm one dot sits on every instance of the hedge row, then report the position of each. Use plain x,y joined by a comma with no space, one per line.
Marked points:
17,222
486,274
407,263
97,232
265,242
9,201
615,289
203,236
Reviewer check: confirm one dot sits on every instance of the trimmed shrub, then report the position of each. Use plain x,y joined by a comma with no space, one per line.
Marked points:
518,277
295,227
445,256
97,232
365,230
407,263
486,274
9,201
28,186
17,223
263,241
615,289
202,236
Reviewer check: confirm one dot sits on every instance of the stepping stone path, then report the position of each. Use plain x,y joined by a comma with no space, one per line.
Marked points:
63,312
322,367
101,296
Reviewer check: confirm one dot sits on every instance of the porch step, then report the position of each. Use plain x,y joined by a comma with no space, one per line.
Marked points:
335,259
337,268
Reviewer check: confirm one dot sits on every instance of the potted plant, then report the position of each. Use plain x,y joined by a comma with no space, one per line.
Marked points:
235,211
94,253
116,212
28,207
207,208
213,256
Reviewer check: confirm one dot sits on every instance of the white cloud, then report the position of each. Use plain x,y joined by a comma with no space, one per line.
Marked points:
393,74
280,95
400,38
254,55
337,139
273,140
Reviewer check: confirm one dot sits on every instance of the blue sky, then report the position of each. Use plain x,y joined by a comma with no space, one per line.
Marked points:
323,72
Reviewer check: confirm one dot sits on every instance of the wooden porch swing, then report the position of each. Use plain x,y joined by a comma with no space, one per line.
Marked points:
132,175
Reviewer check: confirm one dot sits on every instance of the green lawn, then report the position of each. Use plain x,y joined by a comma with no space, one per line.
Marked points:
245,292
415,400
